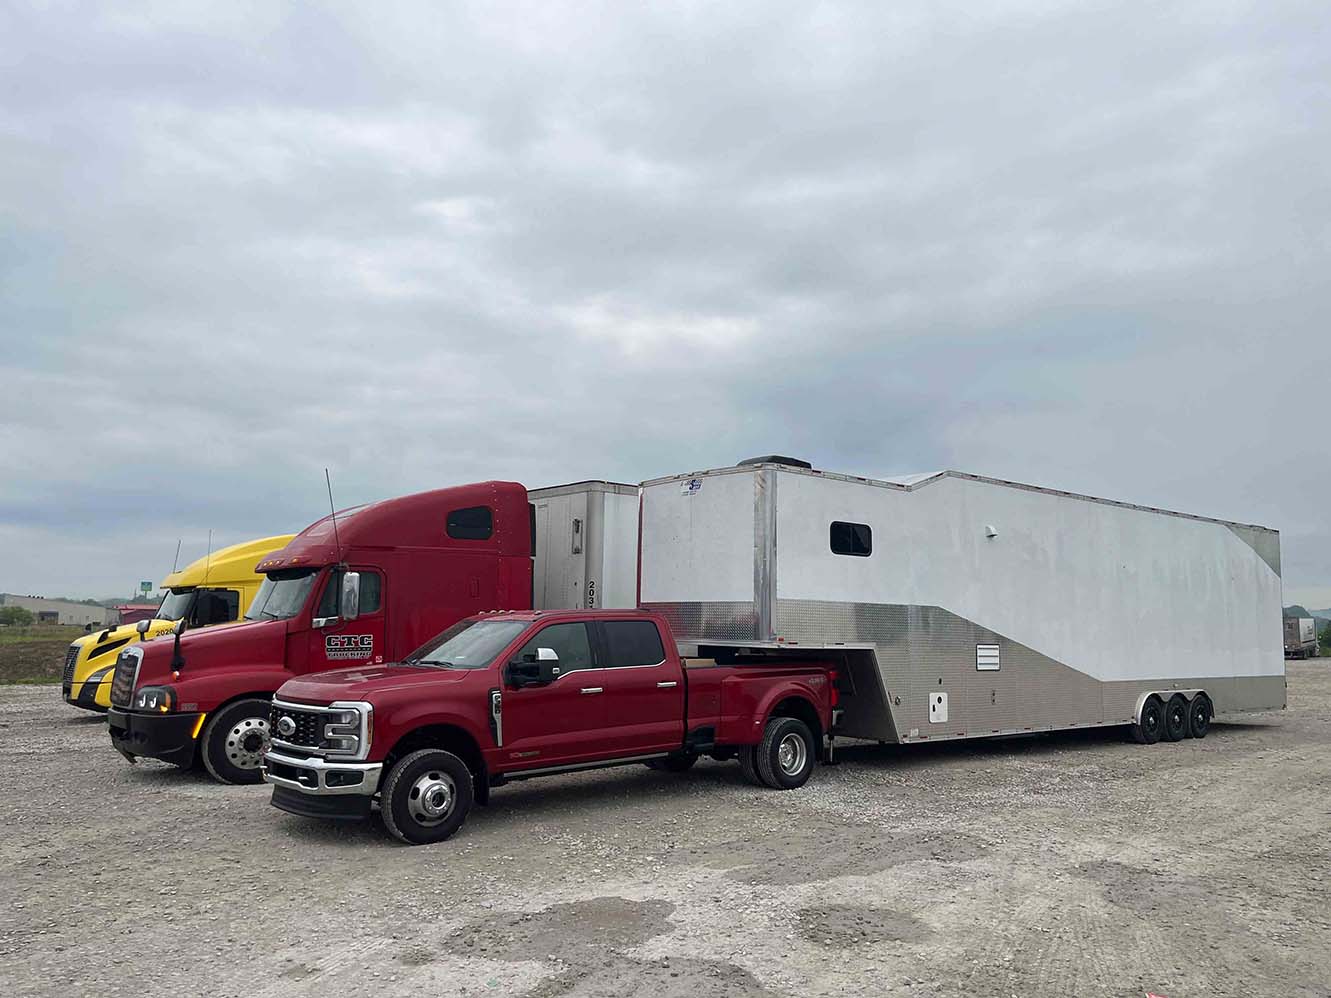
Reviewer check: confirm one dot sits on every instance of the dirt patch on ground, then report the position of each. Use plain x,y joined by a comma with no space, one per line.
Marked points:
842,925
678,978
566,932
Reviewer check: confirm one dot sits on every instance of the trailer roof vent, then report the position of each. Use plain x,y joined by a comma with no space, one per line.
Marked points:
792,462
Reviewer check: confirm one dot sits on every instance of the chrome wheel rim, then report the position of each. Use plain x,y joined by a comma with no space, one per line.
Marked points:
791,754
431,798
246,742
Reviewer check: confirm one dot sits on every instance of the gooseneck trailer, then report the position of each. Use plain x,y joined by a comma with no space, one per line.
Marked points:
965,606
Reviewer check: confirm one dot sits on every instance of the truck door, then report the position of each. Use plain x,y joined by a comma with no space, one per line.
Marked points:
564,720
644,690
337,643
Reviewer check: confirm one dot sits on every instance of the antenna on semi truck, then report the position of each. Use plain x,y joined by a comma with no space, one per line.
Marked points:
175,562
332,512
208,564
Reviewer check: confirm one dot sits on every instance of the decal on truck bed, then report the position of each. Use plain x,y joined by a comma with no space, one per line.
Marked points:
348,646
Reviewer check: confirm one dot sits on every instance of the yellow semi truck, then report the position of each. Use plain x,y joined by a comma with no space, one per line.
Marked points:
213,590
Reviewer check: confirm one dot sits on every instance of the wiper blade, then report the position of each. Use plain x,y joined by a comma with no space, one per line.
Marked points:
432,663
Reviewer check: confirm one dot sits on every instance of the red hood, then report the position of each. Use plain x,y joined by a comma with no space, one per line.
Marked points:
363,683
244,642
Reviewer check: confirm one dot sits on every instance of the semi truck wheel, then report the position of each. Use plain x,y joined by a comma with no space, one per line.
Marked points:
1151,724
427,797
786,753
1199,716
1176,719
234,741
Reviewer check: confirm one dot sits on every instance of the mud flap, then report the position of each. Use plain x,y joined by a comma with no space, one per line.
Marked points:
133,760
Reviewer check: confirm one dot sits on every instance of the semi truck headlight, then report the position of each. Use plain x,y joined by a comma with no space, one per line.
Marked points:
342,731
161,699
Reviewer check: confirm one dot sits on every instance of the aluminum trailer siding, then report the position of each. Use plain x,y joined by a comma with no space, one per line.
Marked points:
980,607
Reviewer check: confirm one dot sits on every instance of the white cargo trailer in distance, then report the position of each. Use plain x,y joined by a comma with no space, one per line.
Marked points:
584,546
1300,637
966,606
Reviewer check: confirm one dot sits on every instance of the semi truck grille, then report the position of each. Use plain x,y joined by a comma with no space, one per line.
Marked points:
309,725
71,657
127,672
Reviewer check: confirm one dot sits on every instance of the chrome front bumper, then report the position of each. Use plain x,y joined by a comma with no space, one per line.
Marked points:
311,776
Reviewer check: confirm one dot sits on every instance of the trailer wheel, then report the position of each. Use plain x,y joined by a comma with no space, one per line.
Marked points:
1200,713
1151,724
748,765
427,797
1176,719
786,754
234,741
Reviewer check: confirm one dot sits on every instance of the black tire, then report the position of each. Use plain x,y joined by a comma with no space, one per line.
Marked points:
1151,723
1200,713
748,765
1176,719
426,781
786,754
673,763
234,740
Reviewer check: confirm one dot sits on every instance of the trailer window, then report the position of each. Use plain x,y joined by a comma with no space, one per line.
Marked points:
854,539
475,523
631,642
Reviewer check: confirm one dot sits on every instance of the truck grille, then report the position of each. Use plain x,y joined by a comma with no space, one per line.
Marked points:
127,673
71,657
309,725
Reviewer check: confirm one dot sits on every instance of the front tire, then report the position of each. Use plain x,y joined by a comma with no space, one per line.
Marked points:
234,741
427,797
786,754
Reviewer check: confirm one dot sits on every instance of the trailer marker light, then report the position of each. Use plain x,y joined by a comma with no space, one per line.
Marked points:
197,725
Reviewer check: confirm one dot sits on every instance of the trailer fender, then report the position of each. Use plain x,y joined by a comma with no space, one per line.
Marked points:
1163,695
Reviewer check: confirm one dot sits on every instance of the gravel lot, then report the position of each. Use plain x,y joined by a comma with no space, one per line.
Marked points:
1076,864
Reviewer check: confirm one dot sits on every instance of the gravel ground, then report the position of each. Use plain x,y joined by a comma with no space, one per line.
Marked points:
1077,864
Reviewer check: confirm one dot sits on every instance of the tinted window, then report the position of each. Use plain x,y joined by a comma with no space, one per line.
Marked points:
569,642
632,642
851,538
215,606
330,604
475,523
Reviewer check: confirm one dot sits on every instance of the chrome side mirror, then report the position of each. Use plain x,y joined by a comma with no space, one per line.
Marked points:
142,627
350,602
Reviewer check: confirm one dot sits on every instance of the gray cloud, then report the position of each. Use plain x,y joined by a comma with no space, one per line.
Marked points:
422,244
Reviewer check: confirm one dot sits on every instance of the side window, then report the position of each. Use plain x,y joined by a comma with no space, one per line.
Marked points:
215,606
330,603
632,642
475,523
851,538
570,643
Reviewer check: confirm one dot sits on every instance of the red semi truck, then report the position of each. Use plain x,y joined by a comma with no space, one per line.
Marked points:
511,695
365,587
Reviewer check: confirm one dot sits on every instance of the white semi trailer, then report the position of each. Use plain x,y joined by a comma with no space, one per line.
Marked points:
967,607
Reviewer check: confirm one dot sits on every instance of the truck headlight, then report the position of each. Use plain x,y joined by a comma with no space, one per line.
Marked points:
341,731
159,699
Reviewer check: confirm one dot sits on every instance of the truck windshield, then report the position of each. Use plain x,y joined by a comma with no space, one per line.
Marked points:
176,604
281,595
468,644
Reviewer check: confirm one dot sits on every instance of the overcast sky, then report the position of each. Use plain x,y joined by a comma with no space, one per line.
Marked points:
1084,247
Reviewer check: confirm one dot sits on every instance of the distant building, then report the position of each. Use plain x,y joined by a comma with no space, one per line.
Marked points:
132,613
58,611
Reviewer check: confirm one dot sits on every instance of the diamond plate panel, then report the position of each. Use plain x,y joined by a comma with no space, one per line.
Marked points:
702,622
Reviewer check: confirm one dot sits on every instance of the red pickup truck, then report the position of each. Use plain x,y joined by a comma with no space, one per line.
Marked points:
515,694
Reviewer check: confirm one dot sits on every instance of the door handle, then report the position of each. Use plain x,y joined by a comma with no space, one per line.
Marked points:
666,686
593,689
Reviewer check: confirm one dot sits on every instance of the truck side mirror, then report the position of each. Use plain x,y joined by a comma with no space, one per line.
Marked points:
538,670
350,601
142,627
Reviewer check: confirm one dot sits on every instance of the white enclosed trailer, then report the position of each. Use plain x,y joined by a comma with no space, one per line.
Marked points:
966,606
584,546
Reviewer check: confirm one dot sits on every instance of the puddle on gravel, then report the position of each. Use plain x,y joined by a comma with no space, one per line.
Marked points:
845,925
573,932
802,856
673,978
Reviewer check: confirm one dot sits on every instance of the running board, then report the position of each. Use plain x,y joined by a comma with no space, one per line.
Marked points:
523,774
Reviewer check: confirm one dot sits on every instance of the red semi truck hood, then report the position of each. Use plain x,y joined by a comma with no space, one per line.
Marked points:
362,683
243,643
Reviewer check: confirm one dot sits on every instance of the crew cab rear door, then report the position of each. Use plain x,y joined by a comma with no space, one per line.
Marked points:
643,688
